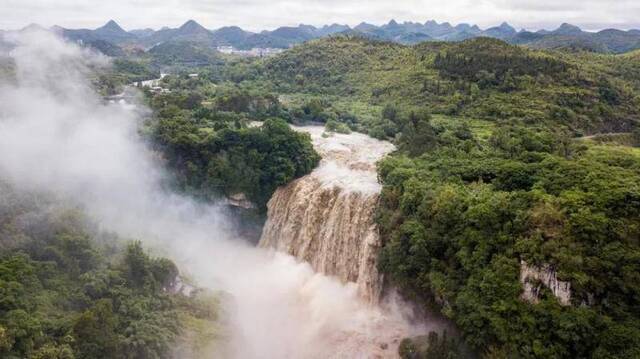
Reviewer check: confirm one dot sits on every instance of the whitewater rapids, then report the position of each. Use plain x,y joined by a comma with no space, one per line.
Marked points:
327,218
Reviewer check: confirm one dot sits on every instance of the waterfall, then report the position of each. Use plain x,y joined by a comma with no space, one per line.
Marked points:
84,151
327,217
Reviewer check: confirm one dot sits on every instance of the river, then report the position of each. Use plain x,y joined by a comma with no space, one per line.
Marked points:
273,305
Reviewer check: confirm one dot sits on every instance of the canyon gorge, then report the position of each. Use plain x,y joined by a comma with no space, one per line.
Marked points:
270,302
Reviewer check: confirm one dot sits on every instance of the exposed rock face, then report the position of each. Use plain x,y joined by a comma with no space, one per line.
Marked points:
327,217
533,277
240,200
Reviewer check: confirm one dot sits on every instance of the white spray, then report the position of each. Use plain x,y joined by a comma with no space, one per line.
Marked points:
57,135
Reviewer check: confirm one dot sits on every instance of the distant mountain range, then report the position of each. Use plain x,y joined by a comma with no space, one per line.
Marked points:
112,39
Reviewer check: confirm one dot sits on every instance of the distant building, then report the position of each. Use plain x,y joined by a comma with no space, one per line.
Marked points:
255,52
150,83
226,49
159,90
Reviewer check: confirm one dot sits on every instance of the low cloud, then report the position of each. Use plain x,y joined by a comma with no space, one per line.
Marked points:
57,136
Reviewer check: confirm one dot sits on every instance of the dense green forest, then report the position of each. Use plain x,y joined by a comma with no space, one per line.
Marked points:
460,214
213,150
507,157
353,80
491,173
68,290
481,78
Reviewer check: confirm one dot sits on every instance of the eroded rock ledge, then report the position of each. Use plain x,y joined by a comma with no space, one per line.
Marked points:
533,278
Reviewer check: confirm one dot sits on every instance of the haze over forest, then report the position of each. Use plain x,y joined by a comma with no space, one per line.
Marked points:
382,189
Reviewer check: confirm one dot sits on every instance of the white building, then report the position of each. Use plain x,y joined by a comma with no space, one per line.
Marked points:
255,52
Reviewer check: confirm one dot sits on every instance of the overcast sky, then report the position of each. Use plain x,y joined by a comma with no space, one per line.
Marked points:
261,14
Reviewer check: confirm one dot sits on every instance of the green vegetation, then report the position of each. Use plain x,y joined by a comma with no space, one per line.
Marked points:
123,72
7,70
213,151
505,155
480,78
69,291
460,214
182,54
352,80
605,41
335,126
432,346
489,174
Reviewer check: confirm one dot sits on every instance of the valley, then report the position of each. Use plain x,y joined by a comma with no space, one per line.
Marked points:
405,190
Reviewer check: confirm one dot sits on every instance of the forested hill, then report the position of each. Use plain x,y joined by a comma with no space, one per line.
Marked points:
70,290
496,209
511,206
483,78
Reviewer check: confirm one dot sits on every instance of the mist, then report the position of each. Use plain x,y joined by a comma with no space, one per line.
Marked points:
57,135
